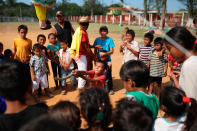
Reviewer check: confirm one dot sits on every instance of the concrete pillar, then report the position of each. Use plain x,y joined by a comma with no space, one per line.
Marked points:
129,20
182,20
101,19
113,19
139,19
120,19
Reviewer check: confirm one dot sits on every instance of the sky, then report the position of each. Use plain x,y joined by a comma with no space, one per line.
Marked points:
172,5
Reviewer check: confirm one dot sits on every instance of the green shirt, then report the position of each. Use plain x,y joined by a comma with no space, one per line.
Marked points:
150,101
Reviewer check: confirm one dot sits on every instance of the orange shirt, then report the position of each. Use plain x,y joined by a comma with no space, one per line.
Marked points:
23,48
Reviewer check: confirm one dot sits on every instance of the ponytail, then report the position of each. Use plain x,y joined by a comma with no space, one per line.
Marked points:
195,46
191,114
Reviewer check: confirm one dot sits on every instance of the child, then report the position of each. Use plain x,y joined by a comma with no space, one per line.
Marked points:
8,54
2,57
67,65
108,72
188,75
69,112
130,47
96,77
132,116
53,48
135,76
105,43
39,69
96,109
41,39
22,45
157,64
180,111
147,48
15,82
124,34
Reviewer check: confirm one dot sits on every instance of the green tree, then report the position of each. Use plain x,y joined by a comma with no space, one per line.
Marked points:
191,6
90,6
117,12
10,2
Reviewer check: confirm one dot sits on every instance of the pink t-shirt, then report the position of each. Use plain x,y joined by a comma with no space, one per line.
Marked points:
100,83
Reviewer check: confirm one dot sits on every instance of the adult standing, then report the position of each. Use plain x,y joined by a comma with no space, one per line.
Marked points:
63,28
81,49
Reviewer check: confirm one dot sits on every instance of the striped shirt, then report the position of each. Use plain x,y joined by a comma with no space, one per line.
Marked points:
144,53
157,64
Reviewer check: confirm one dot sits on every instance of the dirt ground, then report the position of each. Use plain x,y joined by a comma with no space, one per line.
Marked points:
9,32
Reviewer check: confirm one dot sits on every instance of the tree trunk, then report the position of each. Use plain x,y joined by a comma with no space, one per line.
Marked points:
162,22
157,7
145,11
190,12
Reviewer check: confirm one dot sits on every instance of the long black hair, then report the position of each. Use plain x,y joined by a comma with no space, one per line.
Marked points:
173,99
96,107
183,37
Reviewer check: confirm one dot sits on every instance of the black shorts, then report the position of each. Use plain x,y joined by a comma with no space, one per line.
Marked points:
158,80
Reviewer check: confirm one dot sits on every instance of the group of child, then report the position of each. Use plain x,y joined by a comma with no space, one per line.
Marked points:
136,112
154,56
36,60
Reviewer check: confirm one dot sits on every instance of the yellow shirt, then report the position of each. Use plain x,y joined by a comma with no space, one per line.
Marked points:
23,48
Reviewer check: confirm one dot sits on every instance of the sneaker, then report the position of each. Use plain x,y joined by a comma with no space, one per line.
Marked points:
111,92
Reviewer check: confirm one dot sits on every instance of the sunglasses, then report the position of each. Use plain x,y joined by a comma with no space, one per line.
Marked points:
84,24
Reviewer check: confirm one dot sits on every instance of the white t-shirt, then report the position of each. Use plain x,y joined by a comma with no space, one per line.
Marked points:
161,124
128,55
65,57
188,77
